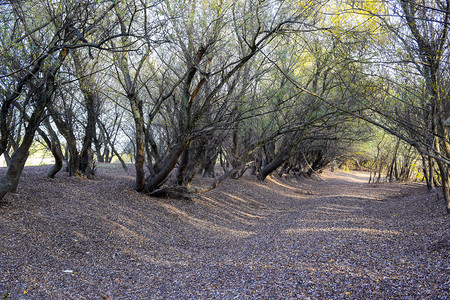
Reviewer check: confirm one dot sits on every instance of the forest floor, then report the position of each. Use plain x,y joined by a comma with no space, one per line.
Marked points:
333,237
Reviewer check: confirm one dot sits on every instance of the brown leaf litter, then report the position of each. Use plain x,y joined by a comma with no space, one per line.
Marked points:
334,238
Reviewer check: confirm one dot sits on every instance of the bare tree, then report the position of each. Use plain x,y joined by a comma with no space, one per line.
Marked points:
49,40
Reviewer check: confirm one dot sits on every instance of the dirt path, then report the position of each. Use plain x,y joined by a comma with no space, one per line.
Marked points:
337,238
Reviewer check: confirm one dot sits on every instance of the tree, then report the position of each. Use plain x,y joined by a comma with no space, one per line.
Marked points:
429,28
47,41
415,110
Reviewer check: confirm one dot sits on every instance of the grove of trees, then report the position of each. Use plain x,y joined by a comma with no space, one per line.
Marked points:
185,86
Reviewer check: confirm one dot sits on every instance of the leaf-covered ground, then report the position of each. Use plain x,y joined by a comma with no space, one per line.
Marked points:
336,238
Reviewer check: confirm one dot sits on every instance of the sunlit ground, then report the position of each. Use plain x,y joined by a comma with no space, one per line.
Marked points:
31,161
39,160
353,176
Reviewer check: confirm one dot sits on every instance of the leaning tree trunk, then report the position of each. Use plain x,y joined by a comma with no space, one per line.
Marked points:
52,143
73,159
10,98
272,166
10,181
55,148
165,168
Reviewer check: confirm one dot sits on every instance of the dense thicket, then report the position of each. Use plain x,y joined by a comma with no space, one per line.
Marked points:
188,86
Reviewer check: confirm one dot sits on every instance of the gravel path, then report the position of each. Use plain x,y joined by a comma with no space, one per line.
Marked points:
331,238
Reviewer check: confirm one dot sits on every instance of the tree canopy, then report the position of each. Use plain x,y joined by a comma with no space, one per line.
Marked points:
187,87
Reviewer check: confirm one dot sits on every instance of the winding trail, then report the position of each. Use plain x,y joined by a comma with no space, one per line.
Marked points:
336,237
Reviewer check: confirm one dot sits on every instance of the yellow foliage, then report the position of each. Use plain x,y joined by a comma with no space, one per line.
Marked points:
346,15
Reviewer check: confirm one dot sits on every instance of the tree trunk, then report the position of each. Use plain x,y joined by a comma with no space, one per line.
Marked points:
426,175
443,170
138,116
10,181
72,157
394,159
182,166
73,161
272,166
86,156
257,164
209,163
166,167
113,149
98,149
55,147
136,105
10,98
4,113
380,169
